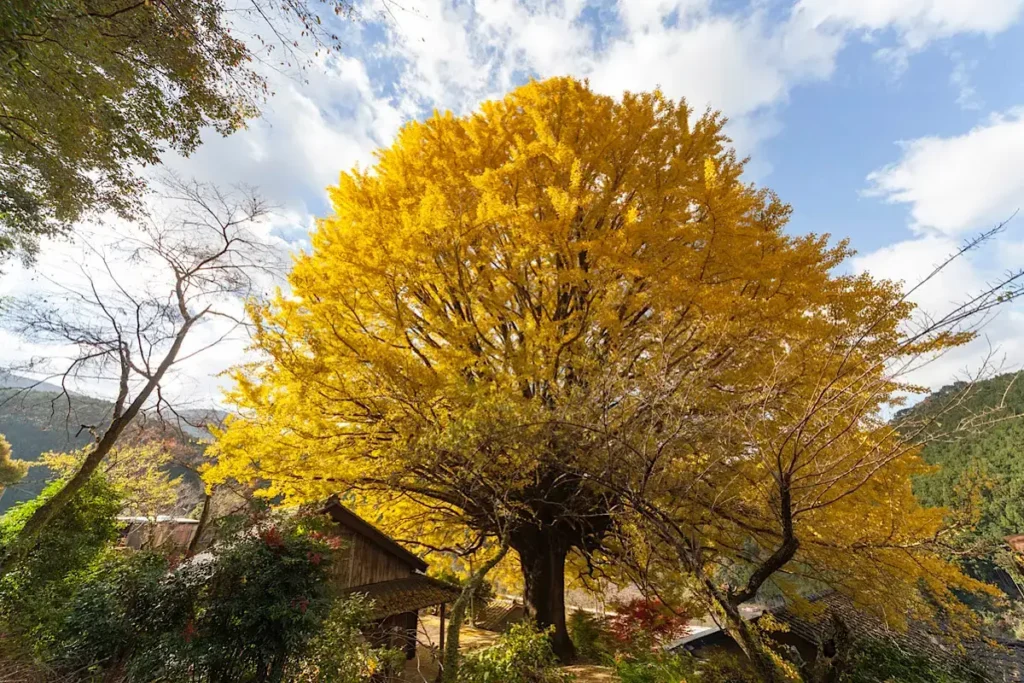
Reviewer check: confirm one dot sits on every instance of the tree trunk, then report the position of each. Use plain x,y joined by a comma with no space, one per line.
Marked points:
204,519
119,422
48,510
746,635
542,556
450,656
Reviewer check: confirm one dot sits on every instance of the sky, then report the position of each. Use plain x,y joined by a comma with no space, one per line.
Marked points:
896,124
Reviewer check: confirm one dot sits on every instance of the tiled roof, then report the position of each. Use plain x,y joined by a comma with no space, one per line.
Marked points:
498,615
1001,662
407,594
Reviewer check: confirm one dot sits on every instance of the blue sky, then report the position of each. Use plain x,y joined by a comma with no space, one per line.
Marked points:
898,124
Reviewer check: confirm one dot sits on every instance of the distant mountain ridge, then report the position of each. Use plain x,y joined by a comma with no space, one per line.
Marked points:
12,381
35,418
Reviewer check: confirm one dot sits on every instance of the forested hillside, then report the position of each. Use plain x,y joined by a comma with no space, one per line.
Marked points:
41,419
35,422
979,452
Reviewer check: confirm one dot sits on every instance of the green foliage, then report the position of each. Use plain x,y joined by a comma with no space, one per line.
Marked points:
93,89
590,636
43,579
873,661
976,443
261,605
37,422
258,608
338,652
522,655
989,455
33,426
666,667
127,614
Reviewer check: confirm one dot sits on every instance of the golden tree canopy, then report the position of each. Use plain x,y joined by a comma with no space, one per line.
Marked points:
562,308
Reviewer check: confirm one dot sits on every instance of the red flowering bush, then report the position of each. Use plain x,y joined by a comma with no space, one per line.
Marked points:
645,623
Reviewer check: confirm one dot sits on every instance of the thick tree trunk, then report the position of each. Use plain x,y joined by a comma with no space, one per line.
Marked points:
542,555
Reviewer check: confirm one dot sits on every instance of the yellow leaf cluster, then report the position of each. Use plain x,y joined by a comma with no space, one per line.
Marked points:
565,287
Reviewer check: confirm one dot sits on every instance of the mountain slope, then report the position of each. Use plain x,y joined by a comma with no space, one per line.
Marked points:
985,460
36,419
35,422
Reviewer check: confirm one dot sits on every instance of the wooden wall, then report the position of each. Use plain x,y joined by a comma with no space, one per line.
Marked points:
363,562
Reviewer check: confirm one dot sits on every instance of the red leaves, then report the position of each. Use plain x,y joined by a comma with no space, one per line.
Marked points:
641,618
272,537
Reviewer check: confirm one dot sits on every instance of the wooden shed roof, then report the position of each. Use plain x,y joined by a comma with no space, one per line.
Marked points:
342,515
406,595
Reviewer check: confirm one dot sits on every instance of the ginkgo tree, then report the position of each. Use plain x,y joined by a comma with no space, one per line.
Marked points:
502,311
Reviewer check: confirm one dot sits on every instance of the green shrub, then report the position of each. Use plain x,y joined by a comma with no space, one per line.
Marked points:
667,667
257,609
250,612
127,615
259,604
339,654
590,636
40,583
876,660
522,655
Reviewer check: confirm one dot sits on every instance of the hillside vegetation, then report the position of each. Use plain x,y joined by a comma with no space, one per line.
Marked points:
979,453
41,420
35,422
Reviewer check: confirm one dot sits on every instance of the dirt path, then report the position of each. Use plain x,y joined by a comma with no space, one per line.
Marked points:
588,673
423,669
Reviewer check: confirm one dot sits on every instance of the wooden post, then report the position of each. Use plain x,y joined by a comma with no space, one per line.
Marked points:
441,638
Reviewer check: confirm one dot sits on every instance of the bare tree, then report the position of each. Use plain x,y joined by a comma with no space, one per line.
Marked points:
199,258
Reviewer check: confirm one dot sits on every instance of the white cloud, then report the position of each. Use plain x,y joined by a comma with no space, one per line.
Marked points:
308,134
959,184
917,22
451,54
960,79
999,345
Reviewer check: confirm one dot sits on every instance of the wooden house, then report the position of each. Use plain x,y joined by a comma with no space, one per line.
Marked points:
373,564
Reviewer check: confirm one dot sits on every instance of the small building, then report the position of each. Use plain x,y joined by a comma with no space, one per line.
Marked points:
373,564
171,534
